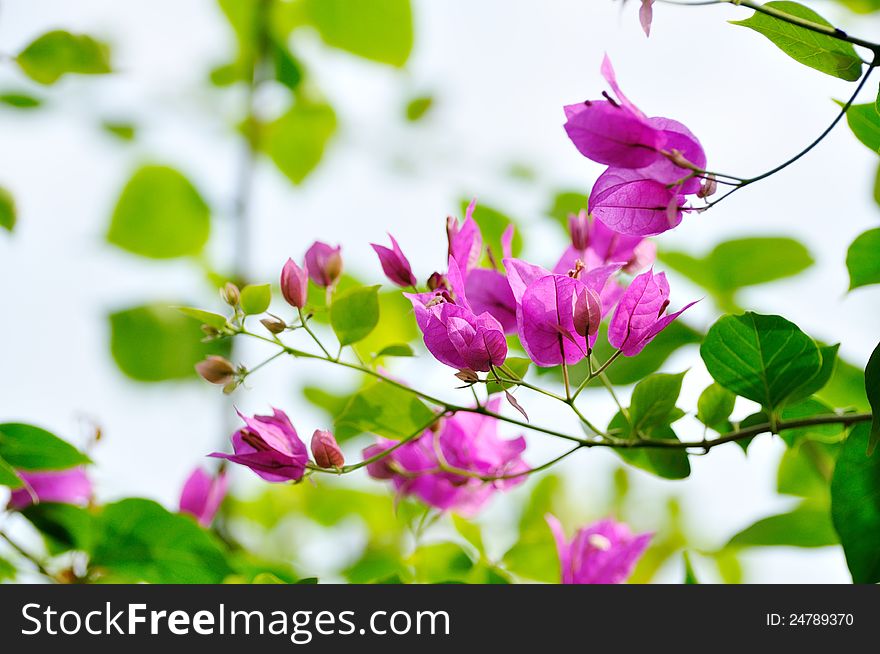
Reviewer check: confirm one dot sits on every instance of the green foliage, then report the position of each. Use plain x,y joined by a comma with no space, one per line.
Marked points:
855,505
380,30
808,525
255,298
564,204
383,409
58,53
160,215
418,107
715,406
763,358
818,381
296,140
805,469
155,342
8,213
7,570
204,317
846,387
872,389
32,448
441,563
19,100
393,332
141,541
122,130
862,260
533,555
824,53
690,577
63,527
864,121
354,314
8,477
722,273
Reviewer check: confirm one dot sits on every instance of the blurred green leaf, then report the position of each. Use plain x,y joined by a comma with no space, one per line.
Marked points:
160,215
715,406
534,556
288,70
441,562
399,350
872,390
383,409
762,358
204,317
355,313
155,342
722,273
376,563
418,107
333,404
396,328
690,577
138,540
855,505
846,387
255,298
566,203
58,53
7,210
862,260
823,53
808,525
864,121
380,30
805,409
121,130
492,224
7,570
861,6
470,531
28,447
8,477
877,183
20,100
296,140
64,527
805,470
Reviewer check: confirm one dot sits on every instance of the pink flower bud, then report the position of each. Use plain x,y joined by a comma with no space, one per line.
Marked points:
230,294
216,369
295,284
579,226
587,312
324,263
394,264
326,450
437,280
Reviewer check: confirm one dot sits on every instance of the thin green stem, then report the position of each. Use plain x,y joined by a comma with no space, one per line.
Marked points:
305,325
27,555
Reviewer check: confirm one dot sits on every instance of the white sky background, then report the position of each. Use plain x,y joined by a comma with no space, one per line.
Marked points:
501,71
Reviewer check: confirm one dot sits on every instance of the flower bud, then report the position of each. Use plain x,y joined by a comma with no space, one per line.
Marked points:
274,325
468,376
294,284
326,450
394,263
579,227
230,294
587,313
436,280
710,185
324,264
216,370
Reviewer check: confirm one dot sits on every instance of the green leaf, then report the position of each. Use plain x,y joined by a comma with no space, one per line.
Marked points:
877,185
855,505
469,531
864,121
805,469
808,525
121,130
566,203
19,100
141,541
204,317
296,140
534,556
396,328
64,527
722,273
8,477
666,463
441,562
762,358
519,366
418,107
862,260
690,577
384,409
397,350
653,402
379,30
155,342
160,215
28,447
58,53
818,381
831,433
255,298
823,53
846,387
7,570
872,389
8,212
492,224
355,313
715,406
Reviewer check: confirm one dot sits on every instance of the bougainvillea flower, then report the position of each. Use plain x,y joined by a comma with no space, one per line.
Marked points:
295,284
594,245
488,291
269,446
546,304
467,442
646,15
324,263
71,486
453,333
639,316
680,140
202,495
394,264
465,240
326,450
602,553
629,203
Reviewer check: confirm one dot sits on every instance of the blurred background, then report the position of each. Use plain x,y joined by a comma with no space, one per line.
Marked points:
388,124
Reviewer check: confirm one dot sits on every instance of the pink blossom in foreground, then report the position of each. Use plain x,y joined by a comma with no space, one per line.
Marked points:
466,442
202,495
453,333
629,203
394,264
602,553
295,284
640,314
324,263
547,305
71,486
269,446
595,244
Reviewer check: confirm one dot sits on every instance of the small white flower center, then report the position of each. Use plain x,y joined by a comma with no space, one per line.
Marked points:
599,542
